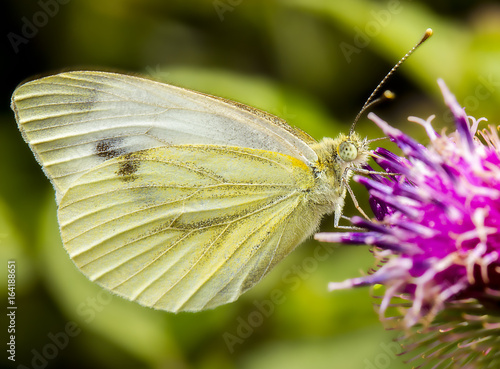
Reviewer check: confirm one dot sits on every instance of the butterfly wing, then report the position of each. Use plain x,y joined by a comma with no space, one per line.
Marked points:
74,121
185,228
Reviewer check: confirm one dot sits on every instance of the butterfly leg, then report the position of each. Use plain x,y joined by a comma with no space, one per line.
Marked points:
364,171
354,200
350,228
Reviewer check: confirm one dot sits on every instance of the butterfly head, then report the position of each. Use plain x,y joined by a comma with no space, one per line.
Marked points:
351,150
341,154
347,151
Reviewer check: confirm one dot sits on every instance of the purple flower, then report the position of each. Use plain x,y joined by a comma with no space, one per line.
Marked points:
436,238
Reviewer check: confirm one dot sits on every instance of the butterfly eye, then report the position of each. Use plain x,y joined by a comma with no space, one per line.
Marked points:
348,151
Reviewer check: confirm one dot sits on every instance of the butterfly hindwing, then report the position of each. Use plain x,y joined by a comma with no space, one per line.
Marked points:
186,227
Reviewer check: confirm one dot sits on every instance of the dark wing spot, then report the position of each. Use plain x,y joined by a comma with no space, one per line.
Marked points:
128,168
108,148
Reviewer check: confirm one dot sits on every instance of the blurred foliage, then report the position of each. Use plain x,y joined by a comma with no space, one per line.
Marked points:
312,62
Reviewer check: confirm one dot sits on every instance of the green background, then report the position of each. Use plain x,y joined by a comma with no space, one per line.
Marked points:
312,62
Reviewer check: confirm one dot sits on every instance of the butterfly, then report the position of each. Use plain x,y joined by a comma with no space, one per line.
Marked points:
176,199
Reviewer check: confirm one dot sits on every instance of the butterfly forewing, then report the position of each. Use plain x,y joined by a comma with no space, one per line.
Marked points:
76,120
186,227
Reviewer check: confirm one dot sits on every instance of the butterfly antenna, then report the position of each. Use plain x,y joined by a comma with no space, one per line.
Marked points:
371,101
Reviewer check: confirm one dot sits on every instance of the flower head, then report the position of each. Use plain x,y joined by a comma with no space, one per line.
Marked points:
437,237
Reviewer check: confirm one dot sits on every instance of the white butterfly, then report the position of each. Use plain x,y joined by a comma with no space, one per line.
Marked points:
175,199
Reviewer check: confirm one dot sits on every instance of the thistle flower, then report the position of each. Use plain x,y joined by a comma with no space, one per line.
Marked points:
436,238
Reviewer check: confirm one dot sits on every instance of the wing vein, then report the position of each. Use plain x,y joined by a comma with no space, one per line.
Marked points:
205,251
242,266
